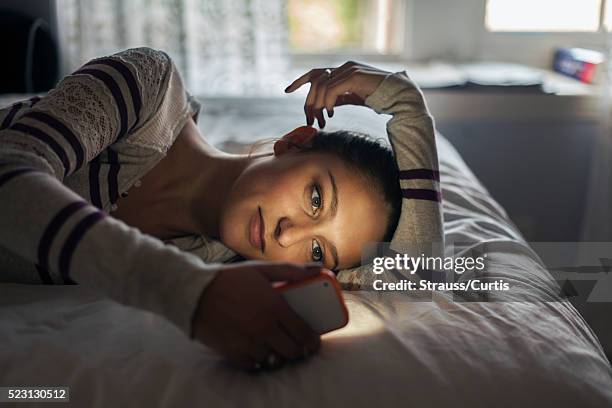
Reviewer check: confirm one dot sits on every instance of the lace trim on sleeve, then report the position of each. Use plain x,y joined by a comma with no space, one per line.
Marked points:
151,69
85,106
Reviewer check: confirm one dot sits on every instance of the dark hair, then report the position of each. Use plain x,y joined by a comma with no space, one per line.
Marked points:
373,159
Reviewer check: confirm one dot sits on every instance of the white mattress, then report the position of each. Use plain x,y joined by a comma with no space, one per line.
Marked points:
519,349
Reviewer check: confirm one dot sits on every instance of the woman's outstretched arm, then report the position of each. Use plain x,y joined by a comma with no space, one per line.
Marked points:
48,224
232,308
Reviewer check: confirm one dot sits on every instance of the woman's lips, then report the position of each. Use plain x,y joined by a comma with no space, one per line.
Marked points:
257,230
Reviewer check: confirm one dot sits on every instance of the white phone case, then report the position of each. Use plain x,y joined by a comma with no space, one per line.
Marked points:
319,302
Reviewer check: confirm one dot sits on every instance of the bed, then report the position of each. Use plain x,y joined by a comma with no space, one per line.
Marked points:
527,348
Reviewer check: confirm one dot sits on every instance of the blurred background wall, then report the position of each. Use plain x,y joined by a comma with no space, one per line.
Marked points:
538,140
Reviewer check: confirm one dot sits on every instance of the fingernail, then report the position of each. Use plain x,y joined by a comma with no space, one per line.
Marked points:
287,88
330,113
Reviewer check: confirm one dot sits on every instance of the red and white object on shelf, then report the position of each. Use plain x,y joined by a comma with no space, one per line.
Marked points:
579,63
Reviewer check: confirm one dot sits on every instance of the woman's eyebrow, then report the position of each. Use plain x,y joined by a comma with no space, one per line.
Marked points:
333,209
334,202
334,252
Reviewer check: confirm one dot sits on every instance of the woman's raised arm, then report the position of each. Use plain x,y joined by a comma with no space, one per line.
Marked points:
412,134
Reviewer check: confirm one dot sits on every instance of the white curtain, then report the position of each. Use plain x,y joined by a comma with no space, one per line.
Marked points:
221,47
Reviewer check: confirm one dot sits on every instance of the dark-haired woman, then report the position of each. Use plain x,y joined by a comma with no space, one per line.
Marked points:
106,181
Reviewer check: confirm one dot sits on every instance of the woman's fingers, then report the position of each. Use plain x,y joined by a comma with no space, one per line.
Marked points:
320,101
336,91
286,271
310,98
299,330
243,317
316,88
315,73
284,345
294,328
307,77
340,77
351,83
319,97
335,87
317,78
321,80
291,335
242,352
258,352
331,91
346,88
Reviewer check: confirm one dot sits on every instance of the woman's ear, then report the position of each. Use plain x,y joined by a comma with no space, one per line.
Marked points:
295,140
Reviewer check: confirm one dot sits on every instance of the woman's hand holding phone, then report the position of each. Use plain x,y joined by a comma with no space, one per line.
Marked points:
245,319
349,84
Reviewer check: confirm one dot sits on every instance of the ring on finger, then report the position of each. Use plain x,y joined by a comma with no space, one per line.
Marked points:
272,360
329,72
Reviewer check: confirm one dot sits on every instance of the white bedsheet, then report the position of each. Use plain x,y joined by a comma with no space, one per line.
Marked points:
394,352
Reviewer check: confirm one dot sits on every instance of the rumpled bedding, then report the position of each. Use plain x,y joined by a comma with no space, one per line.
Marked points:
527,347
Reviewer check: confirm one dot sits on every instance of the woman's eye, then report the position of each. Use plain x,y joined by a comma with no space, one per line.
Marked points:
317,252
315,199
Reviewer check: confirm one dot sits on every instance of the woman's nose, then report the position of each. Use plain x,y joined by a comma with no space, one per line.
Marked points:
289,232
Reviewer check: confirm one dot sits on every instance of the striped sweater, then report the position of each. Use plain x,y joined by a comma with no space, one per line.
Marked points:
67,157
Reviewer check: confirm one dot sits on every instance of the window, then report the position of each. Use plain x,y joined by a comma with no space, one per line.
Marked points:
544,15
608,16
346,26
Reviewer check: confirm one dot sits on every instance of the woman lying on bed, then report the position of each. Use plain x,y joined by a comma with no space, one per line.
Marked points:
98,175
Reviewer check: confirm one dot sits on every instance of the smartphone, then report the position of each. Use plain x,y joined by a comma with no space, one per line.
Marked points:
318,300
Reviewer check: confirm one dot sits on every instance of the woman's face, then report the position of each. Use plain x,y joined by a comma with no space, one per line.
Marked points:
302,207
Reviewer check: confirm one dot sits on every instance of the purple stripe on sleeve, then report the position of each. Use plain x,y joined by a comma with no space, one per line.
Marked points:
62,130
9,116
46,139
94,182
421,194
34,100
73,240
4,178
44,246
130,80
44,275
111,84
113,172
426,174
